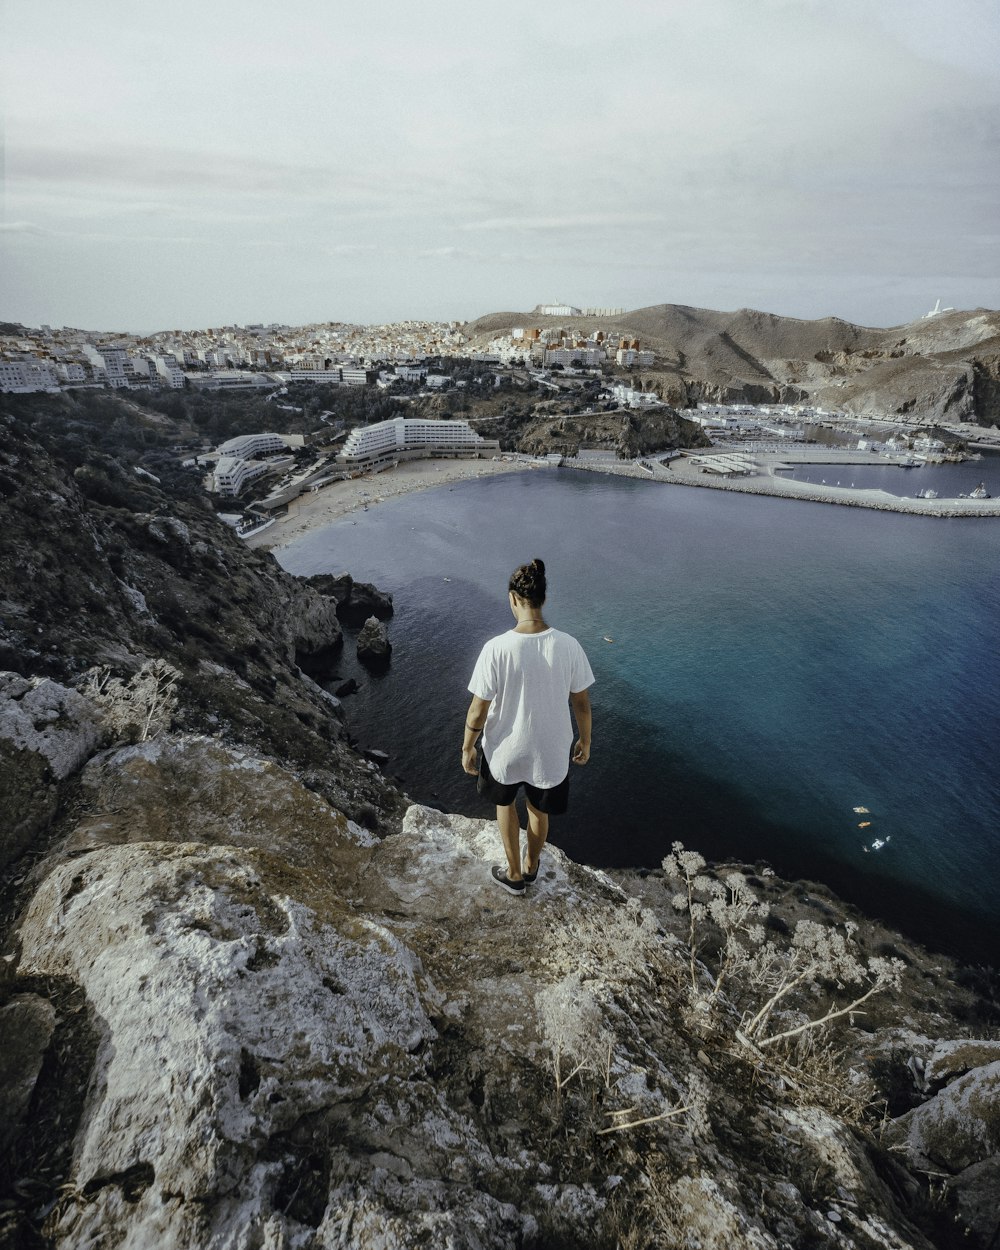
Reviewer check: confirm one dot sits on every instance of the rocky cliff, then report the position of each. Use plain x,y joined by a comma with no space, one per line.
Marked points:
628,434
945,368
246,1002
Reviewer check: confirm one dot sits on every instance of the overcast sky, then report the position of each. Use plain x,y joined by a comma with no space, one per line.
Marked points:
185,164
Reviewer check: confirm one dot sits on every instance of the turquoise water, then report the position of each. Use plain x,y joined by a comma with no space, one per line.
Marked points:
774,664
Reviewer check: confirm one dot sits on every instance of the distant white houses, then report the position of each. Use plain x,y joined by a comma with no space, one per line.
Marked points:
634,399
375,446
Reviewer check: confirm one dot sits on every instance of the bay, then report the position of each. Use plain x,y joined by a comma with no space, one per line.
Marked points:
773,665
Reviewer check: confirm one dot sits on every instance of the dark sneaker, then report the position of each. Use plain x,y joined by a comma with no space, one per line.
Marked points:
499,875
529,877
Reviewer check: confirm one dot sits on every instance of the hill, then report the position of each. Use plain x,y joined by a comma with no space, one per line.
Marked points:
945,368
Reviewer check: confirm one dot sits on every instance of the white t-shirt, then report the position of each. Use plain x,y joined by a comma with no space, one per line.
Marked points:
528,678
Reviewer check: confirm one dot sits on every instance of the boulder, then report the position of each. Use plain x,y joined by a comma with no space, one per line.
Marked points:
374,647
976,1191
958,1127
347,687
46,732
313,627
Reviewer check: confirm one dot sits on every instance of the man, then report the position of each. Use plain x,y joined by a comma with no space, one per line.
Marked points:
522,687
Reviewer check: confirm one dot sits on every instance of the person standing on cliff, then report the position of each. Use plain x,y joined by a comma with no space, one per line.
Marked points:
523,686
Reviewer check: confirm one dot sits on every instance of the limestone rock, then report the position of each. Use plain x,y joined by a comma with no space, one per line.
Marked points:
310,1037
956,1128
374,647
46,731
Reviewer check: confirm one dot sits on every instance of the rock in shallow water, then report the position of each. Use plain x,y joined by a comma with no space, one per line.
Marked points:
374,647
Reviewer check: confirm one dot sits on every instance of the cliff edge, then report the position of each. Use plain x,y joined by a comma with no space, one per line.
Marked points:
251,996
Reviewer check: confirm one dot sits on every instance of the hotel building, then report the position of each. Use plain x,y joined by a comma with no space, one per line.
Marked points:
404,438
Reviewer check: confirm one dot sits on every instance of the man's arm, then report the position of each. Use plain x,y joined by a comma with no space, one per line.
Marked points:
475,719
580,703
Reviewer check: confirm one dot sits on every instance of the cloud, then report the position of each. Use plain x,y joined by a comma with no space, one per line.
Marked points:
566,221
22,227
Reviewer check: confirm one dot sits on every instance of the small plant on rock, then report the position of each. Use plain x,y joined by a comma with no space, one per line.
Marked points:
138,708
758,979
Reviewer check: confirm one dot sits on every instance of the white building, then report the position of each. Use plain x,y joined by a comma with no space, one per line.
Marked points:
169,370
71,372
377,445
110,365
22,376
589,357
246,446
336,375
232,474
227,380
629,356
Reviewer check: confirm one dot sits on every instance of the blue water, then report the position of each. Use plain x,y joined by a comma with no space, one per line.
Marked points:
774,663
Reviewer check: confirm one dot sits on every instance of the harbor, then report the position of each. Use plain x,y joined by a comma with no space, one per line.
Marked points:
760,472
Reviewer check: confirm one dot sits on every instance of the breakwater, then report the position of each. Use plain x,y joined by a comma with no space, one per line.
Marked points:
681,472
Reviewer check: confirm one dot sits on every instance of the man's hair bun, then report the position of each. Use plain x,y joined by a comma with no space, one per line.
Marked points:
528,583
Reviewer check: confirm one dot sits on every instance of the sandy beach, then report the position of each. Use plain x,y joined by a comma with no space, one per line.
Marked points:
310,511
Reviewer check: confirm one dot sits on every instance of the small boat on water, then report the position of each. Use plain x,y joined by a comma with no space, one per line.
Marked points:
980,492
607,639
926,493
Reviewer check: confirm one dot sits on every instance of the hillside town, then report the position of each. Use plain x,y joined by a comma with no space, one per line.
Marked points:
247,356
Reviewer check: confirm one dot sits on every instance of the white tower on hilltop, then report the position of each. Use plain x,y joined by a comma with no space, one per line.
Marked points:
936,311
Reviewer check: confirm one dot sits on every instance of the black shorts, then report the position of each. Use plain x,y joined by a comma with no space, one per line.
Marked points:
553,802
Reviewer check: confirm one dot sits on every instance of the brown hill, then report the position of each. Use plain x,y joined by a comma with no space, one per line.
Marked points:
945,368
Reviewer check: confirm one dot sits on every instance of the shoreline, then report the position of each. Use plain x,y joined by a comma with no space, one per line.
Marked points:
310,511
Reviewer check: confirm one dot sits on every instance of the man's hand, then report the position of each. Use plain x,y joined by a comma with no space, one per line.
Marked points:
581,753
469,761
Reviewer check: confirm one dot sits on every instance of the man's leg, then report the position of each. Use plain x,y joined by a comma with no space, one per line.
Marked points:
538,832
510,835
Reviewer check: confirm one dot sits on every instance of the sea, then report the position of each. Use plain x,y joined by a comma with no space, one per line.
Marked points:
777,681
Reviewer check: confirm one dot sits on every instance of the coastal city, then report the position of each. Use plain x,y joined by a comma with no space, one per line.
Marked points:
571,377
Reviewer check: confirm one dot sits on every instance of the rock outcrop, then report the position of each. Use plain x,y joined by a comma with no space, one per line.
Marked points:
628,434
46,732
374,647
303,1035
356,601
